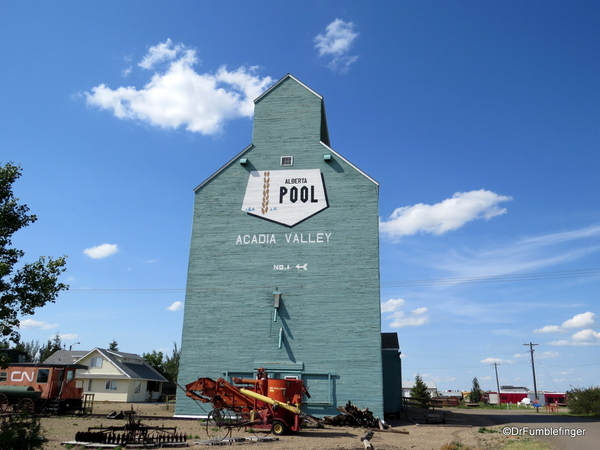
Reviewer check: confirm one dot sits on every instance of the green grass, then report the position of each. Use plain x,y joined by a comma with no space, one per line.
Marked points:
525,444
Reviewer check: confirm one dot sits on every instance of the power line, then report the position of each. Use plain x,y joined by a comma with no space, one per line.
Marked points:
497,278
386,284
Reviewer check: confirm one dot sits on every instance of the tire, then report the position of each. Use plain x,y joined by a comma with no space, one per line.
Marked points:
278,428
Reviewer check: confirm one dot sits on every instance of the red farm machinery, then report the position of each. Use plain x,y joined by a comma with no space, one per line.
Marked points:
263,405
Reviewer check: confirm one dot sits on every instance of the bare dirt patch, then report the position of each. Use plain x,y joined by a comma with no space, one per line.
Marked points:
463,429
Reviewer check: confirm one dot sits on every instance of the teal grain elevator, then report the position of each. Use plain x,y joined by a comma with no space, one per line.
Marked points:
284,263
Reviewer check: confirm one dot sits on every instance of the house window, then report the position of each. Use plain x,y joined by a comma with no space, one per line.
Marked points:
96,362
43,375
89,385
287,160
111,385
138,387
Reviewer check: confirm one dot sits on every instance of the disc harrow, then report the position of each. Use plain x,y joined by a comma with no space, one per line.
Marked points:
133,433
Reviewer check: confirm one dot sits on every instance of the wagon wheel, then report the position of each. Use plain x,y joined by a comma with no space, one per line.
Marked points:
4,404
258,427
26,405
260,432
219,424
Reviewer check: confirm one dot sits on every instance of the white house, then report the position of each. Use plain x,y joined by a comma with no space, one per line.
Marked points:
113,375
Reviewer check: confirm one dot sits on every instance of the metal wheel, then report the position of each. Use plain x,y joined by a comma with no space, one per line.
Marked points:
259,432
278,428
26,405
218,425
4,404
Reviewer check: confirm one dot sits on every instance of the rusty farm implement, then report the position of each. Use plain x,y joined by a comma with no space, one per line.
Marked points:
133,434
263,405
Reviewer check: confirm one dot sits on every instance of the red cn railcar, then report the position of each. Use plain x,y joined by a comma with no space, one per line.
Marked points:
40,387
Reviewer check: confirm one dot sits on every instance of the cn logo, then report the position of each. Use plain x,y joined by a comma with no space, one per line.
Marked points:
20,376
285,196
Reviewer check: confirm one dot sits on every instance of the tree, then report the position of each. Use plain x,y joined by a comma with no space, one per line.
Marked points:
155,360
167,366
113,346
24,287
171,366
419,392
51,347
476,393
31,349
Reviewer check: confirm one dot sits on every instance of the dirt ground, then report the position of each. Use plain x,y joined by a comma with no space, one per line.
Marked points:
458,428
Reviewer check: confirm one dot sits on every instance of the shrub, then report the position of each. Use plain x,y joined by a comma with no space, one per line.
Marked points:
21,432
584,401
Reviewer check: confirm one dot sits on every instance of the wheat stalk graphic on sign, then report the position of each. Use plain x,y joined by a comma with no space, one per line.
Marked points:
265,199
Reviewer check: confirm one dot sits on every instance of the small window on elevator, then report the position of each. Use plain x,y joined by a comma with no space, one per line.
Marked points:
287,160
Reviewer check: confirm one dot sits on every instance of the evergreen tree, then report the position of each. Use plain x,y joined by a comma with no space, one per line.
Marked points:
419,392
51,347
114,346
31,349
476,393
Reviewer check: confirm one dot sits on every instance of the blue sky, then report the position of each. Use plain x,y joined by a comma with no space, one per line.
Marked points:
480,121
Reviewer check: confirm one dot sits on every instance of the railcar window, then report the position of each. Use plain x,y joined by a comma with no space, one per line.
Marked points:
2,376
43,375
70,375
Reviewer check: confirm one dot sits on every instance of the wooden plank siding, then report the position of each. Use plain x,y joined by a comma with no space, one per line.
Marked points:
328,322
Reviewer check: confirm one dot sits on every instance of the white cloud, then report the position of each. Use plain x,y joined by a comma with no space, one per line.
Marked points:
101,251
581,338
67,337
580,320
497,361
587,337
165,51
176,306
392,305
30,323
178,96
448,215
336,43
415,318
521,256
549,329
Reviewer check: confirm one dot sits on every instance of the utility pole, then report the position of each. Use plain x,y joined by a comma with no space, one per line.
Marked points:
533,370
497,383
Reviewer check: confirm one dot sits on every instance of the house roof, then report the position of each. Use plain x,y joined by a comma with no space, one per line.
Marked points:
124,362
65,356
